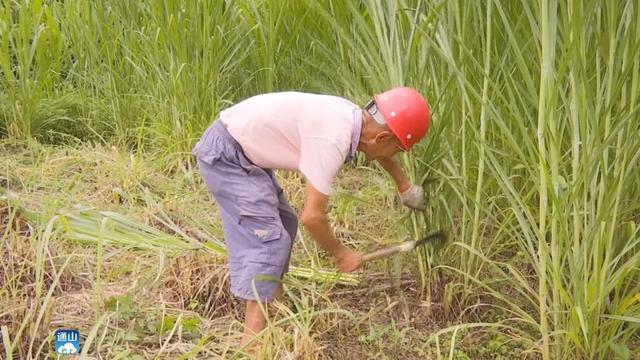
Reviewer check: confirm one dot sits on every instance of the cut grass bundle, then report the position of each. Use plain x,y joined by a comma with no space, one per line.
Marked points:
95,227
91,226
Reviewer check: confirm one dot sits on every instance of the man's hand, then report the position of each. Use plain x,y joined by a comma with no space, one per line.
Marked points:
348,260
413,197
315,220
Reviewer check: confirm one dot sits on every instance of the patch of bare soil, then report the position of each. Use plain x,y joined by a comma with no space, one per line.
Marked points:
390,318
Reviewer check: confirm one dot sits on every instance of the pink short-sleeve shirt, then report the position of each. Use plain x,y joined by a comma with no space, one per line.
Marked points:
310,133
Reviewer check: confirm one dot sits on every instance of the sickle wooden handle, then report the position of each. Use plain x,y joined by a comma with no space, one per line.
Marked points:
437,237
385,252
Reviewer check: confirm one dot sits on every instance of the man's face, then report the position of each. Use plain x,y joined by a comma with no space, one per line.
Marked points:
384,145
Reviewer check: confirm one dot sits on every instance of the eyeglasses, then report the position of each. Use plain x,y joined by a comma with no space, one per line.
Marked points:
372,109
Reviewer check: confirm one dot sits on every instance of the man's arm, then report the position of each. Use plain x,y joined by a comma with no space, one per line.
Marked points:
392,166
412,195
314,218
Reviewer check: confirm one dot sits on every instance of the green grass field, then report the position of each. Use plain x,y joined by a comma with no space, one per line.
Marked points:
531,165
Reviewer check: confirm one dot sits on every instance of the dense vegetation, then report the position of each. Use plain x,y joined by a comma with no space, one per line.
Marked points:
532,162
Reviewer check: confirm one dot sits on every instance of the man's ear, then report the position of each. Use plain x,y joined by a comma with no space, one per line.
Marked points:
384,136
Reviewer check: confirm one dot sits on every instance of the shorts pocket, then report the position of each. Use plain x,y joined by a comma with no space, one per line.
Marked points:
263,228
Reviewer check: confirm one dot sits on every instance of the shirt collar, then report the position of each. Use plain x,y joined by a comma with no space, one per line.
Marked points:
355,137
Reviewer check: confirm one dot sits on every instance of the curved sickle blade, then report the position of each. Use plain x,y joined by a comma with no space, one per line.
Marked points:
437,238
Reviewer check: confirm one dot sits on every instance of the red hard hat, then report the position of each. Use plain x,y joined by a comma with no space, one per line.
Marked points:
406,113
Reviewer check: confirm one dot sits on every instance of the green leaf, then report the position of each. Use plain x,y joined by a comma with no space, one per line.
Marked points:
622,351
167,323
122,304
190,324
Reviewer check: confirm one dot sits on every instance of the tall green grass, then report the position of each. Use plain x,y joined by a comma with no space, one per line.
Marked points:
532,160
548,113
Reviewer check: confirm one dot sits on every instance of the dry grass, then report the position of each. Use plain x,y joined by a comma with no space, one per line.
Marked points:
153,305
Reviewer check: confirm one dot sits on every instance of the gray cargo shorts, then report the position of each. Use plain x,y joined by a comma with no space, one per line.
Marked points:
259,224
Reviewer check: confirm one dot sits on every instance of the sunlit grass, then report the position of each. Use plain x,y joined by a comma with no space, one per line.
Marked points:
531,163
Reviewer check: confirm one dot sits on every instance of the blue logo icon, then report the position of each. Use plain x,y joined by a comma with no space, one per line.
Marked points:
67,341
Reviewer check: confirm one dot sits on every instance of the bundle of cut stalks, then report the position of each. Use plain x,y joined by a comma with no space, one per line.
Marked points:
93,226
